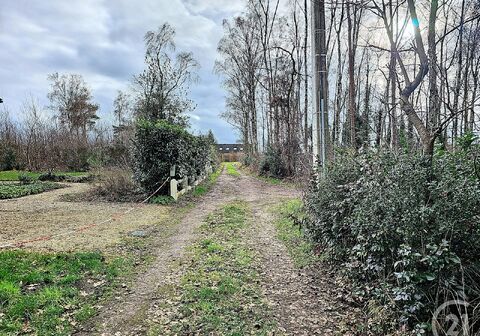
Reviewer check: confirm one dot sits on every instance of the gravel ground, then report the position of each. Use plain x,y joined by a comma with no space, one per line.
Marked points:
48,214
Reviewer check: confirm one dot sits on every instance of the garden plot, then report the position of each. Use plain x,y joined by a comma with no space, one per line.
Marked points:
48,214
15,190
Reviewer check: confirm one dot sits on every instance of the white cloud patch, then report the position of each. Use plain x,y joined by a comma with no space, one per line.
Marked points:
215,7
103,41
194,116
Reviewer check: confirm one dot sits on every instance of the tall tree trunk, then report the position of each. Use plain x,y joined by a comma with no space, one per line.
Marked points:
434,98
338,90
366,109
458,77
352,108
305,55
426,136
394,137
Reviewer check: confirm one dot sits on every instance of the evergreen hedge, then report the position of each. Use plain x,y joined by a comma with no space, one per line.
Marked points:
406,230
160,145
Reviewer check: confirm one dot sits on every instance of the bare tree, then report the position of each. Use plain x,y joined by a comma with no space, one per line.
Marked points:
71,99
122,108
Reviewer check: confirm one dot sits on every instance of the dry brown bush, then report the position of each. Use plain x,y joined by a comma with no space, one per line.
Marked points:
116,185
232,157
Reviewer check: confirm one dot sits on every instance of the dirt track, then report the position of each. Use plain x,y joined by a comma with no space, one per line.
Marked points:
301,304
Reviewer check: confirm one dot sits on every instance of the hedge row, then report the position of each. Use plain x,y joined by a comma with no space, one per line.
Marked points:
160,145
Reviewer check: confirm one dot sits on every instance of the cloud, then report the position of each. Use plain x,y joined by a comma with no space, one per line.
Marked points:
103,41
194,116
215,7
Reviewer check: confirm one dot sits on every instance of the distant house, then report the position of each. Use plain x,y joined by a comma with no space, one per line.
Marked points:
230,148
230,152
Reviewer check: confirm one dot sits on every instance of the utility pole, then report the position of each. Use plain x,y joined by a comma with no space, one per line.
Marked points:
320,83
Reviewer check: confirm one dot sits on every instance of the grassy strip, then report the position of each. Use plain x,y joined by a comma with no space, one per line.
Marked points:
299,248
232,168
49,294
14,175
219,293
214,176
209,182
19,190
268,179
275,181
271,180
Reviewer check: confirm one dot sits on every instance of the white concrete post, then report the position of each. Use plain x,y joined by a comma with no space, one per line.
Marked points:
174,189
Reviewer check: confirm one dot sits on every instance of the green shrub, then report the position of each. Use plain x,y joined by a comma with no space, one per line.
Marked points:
405,229
80,179
248,159
162,200
159,145
24,178
51,177
272,164
8,159
76,158
10,190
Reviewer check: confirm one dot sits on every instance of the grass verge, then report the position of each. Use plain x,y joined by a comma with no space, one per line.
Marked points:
271,180
299,248
209,182
232,168
49,294
9,190
267,179
219,292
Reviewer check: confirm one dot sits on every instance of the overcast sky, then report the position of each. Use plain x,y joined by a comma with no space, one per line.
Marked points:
103,41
